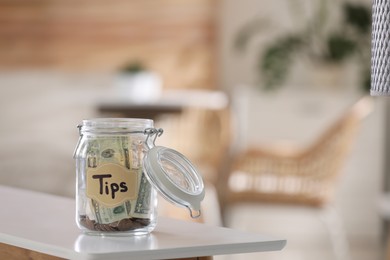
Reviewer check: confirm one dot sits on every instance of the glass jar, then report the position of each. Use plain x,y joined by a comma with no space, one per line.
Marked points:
119,169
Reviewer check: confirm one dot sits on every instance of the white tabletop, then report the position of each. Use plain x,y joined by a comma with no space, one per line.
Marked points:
46,223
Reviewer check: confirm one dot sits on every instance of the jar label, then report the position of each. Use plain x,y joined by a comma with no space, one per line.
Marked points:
111,184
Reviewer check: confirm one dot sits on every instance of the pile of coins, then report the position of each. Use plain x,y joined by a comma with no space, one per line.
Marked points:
121,225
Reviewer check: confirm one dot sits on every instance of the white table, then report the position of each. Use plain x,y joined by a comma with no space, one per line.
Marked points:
43,226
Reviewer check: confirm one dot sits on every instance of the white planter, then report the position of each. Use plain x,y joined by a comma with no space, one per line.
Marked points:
325,76
139,87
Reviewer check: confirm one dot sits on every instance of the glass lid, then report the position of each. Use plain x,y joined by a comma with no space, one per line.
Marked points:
174,176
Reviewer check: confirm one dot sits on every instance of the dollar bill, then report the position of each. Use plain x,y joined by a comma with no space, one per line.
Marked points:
137,154
92,154
143,204
116,149
106,215
111,150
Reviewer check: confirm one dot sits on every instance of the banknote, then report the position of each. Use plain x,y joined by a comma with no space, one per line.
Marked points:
110,150
143,204
106,215
92,154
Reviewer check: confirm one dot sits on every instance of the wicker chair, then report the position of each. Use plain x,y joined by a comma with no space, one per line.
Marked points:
305,177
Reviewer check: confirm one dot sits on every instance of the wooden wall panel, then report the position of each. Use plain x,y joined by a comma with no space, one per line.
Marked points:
174,37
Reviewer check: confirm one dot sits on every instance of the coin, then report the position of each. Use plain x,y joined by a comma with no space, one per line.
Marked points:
125,224
86,222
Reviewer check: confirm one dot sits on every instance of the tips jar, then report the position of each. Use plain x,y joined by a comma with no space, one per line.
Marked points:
115,192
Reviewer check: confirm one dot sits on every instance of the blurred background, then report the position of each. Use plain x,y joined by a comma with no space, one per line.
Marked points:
258,94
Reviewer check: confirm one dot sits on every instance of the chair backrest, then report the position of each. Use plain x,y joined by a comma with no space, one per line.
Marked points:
332,147
306,176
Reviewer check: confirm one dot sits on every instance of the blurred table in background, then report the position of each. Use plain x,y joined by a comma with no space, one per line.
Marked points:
135,110
170,102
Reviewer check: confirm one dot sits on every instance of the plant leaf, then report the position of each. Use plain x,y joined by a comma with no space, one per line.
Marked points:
358,16
276,60
339,47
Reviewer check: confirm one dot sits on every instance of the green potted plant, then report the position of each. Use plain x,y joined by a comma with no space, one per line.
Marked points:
349,39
